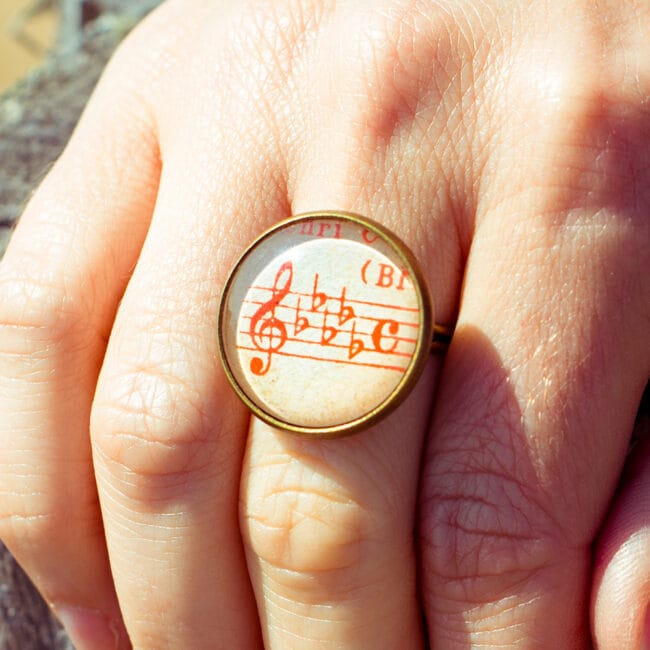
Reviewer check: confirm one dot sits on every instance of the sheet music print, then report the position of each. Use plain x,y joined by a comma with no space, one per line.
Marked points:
371,320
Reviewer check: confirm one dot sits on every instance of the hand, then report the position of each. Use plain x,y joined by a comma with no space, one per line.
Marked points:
507,144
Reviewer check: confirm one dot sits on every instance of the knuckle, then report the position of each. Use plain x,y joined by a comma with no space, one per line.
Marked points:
34,315
264,51
588,125
146,45
271,33
296,524
408,51
25,526
149,424
481,532
483,517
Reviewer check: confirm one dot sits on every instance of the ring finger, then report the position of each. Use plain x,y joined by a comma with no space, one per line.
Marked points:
329,524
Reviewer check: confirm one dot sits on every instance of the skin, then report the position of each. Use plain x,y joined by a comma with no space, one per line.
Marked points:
507,145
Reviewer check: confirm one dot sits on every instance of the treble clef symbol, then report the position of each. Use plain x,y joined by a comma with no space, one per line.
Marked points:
267,332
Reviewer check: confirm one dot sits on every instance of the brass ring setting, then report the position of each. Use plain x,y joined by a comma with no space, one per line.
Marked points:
325,324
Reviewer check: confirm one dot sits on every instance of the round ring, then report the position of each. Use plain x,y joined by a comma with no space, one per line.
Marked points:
325,324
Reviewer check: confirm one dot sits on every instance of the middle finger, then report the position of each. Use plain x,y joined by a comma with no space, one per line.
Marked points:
328,524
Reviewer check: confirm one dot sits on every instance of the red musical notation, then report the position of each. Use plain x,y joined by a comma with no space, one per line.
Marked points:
264,325
327,328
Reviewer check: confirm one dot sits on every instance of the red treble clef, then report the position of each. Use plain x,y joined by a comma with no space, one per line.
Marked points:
267,332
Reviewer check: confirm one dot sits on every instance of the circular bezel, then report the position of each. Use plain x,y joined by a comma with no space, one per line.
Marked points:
419,356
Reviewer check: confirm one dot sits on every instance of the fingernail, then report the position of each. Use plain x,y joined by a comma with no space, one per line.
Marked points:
89,629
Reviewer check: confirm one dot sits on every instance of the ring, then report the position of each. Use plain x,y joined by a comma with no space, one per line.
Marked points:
325,324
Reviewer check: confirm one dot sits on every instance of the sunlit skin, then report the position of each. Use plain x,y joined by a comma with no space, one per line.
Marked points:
507,144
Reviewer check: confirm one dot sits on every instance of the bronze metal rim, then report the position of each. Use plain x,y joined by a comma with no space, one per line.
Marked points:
431,337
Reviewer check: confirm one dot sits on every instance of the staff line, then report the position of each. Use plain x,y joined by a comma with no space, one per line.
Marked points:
312,311
347,300
287,324
327,345
342,361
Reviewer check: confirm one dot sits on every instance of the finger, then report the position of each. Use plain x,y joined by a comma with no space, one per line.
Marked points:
168,432
328,524
543,376
60,282
621,581
329,531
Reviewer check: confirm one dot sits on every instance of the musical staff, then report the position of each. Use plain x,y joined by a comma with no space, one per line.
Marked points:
336,327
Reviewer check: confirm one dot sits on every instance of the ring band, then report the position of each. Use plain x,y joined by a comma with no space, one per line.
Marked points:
442,335
325,324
